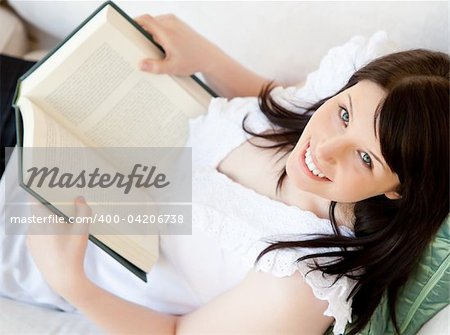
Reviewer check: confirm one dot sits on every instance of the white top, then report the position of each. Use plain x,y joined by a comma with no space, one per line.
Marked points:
229,229
239,220
229,225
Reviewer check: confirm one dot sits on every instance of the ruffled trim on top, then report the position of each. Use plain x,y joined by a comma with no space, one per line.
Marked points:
234,235
283,262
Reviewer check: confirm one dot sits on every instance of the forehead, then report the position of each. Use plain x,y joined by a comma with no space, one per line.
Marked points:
367,95
362,101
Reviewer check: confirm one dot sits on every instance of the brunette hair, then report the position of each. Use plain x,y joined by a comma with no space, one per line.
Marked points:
390,235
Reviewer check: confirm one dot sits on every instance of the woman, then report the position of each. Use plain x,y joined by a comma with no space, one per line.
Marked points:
366,159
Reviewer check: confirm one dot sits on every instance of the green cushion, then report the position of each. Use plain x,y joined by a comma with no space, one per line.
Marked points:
425,293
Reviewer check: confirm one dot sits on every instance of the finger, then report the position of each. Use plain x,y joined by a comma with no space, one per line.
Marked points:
150,25
156,31
162,66
156,66
165,17
145,19
83,214
81,207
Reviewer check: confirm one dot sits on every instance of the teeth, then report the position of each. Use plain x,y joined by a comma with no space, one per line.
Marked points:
311,165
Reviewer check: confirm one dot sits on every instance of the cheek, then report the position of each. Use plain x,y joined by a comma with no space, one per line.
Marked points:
317,118
292,167
352,185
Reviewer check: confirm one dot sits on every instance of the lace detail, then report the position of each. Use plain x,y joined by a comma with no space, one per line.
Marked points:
283,262
247,230
238,237
244,230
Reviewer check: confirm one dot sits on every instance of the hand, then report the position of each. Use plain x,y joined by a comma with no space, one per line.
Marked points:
60,256
186,51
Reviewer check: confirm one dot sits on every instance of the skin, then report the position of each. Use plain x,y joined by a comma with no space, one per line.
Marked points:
185,55
344,150
341,146
261,303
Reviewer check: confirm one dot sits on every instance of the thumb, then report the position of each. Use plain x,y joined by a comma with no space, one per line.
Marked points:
81,207
155,66
83,216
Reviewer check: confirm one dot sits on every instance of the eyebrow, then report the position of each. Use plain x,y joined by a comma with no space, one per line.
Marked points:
351,116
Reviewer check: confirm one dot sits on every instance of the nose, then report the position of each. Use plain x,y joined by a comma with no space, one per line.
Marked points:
331,150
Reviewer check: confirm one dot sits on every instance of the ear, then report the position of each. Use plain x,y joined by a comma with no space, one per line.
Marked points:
392,195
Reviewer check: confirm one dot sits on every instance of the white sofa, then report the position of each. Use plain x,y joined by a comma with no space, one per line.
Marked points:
280,40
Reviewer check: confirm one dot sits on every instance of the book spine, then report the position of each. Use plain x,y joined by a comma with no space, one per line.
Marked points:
131,267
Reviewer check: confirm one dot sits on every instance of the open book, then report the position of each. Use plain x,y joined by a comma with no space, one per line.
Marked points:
90,93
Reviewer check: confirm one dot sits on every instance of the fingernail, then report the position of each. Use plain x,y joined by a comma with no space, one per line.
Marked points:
80,200
146,66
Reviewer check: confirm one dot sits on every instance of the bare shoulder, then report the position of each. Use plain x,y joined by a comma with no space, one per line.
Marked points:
261,304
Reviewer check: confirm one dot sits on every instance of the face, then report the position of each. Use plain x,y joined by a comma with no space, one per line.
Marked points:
340,147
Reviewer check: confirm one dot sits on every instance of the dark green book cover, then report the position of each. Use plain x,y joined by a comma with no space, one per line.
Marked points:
134,269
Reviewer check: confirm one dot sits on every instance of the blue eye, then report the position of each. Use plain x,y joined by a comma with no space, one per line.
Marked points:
366,159
344,115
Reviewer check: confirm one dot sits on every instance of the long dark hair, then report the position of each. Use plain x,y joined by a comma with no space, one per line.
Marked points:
390,234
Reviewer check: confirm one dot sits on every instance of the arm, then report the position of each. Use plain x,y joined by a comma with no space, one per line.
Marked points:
115,315
64,273
232,79
187,52
260,304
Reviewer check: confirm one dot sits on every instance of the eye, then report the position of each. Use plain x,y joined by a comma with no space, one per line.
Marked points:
366,159
344,115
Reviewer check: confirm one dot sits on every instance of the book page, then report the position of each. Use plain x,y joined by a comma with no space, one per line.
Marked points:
142,249
98,92
131,122
47,144
40,136
90,92
43,131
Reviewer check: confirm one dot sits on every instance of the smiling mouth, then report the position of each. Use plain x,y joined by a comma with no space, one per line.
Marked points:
309,167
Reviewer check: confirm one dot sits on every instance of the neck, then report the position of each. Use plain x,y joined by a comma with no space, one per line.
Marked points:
293,196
